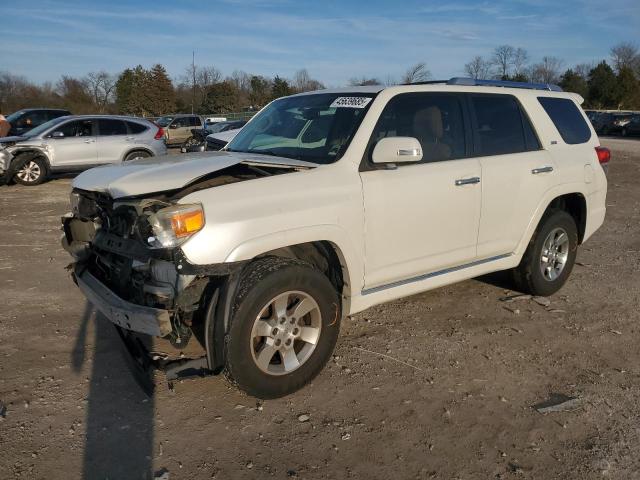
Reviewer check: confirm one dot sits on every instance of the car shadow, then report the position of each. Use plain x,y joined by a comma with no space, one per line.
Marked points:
119,425
500,279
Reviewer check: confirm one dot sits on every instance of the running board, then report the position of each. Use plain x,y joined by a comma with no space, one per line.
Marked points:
427,276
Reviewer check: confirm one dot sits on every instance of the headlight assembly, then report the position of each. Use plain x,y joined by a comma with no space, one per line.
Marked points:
173,225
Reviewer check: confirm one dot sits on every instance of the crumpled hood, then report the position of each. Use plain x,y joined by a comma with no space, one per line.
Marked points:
12,139
169,172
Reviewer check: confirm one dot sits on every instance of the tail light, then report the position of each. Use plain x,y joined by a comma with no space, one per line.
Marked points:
159,134
604,157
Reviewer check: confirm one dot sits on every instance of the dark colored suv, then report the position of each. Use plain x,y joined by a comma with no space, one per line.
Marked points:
24,120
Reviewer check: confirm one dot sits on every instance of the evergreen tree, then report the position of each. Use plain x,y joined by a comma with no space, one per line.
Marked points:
160,92
221,97
280,88
603,87
628,88
572,82
260,91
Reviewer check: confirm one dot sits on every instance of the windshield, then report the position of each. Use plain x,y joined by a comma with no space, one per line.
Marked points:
315,128
164,121
216,127
44,127
15,116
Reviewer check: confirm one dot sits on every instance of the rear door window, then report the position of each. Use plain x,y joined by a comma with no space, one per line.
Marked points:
566,116
194,122
111,127
500,126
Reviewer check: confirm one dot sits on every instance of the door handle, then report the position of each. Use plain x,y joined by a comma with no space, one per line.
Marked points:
467,181
129,138
538,170
89,140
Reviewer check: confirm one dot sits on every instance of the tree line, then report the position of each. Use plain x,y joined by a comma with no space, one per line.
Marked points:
613,84
151,92
603,85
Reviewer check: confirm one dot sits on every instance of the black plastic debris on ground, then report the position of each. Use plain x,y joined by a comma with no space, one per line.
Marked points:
558,402
3,410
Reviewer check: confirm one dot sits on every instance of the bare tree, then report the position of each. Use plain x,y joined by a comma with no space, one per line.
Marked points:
503,59
520,60
625,54
302,82
101,86
478,68
547,71
362,81
584,69
416,73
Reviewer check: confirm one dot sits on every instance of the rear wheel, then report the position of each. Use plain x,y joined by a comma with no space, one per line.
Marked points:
550,256
284,327
30,169
136,155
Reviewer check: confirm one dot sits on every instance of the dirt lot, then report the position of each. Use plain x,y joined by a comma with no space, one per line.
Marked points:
439,385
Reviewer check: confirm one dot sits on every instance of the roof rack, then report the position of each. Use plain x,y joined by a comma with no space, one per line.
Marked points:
503,83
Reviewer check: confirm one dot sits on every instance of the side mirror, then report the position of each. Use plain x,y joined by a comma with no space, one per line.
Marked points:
57,135
397,150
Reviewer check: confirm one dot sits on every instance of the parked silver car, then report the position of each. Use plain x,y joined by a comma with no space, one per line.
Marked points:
75,143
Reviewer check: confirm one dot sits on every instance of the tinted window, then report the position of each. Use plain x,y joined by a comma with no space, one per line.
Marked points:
434,119
180,122
500,127
136,128
108,127
77,128
194,122
567,118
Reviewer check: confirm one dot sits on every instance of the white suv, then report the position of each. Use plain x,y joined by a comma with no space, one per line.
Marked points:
326,204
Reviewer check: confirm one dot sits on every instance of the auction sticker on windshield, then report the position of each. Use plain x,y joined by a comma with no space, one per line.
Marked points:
350,102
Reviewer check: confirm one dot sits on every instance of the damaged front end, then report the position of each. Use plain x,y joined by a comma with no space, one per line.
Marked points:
129,266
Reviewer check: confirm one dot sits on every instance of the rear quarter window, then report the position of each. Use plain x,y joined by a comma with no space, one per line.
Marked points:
566,116
135,127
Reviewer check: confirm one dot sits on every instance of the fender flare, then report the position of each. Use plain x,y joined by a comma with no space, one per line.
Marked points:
350,258
543,205
137,149
15,153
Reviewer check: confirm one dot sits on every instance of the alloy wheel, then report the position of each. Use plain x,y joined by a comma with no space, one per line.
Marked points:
30,172
555,251
285,333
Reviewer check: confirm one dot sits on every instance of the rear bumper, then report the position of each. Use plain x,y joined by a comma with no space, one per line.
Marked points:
127,315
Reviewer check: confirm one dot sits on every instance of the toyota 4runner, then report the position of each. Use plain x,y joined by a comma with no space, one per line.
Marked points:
325,204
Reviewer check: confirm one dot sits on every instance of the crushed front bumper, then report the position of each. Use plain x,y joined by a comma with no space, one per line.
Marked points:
127,315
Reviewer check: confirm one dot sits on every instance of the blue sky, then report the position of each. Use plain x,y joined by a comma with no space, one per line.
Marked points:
334,40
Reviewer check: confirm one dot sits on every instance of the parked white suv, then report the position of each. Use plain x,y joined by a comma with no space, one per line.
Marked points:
77,142
326,204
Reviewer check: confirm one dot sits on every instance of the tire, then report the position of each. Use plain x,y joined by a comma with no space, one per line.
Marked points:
258,358
30,169
531,276
137,154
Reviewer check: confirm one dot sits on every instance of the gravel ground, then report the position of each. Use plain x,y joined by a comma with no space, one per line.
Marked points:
439,385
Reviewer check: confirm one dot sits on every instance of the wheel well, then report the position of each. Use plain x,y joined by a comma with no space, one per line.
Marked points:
323,255
138,149
576,206
30,151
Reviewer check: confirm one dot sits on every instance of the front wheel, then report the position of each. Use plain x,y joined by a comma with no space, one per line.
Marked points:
30,170
550,256
284,327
